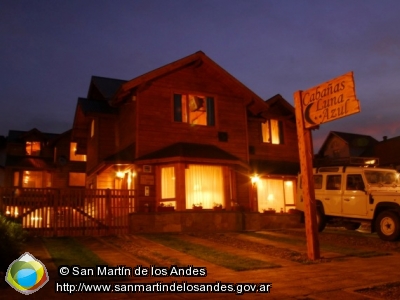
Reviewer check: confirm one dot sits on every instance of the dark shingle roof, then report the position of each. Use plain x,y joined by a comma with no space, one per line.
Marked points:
359,144
107,86
19,136
29,162
190,150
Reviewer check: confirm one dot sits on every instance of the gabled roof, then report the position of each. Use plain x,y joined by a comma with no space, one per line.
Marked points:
359,144
128,89
103,88
21,136
277,107
278,100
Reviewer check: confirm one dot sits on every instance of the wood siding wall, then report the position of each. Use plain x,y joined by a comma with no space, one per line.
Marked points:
288,151
103,143
156,128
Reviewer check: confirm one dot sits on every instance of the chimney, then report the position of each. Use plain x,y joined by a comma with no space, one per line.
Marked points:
385,137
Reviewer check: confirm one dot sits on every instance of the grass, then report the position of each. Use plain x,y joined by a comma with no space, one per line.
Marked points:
153,258
224,259
68,251
325,247
281,239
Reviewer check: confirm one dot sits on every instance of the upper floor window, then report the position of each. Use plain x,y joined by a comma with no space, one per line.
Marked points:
92,128
194,109
72,153
32,148
272,131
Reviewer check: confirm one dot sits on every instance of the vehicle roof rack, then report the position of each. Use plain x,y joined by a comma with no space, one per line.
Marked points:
347,161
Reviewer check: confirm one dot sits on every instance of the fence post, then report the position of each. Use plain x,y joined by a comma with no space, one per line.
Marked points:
108,210
55,210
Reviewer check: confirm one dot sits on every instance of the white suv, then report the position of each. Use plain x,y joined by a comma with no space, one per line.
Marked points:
357,194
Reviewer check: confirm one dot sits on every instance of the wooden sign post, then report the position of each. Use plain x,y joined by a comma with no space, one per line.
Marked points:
306,157
324,103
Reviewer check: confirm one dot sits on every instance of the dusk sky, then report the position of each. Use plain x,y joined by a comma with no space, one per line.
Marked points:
50,49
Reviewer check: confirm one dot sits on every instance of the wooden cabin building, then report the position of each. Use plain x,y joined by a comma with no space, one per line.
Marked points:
339,147
188,135
35,159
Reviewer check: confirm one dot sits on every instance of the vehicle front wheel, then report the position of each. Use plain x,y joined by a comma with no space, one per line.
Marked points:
321,220
388,225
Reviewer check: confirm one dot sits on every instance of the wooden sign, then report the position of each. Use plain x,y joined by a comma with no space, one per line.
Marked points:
330,101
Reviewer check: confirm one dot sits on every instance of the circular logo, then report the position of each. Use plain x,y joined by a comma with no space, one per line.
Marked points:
27,274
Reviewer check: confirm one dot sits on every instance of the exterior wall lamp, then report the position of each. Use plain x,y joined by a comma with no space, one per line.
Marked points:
254,179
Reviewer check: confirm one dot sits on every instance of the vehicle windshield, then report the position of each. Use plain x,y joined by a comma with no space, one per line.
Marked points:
382,177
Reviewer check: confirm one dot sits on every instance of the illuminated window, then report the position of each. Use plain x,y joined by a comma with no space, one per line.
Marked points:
194,109
272,132
275,194
77,179
35,179
32,148
72,153
167,182
204,186
92,129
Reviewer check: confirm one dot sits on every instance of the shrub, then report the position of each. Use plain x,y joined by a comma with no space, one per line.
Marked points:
12,237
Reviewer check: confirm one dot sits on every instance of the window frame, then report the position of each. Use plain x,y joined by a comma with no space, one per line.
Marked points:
281,135
31,146
180,108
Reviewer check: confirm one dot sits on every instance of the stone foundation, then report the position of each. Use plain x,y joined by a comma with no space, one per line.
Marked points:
210,221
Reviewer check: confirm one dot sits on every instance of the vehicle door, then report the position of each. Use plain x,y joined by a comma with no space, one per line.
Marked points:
333,195
354,197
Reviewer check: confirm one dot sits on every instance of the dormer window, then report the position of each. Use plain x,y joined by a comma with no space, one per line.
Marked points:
272,132
32,148
194,109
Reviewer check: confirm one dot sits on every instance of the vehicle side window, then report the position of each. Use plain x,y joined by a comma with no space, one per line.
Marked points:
317,182
354,182
333,182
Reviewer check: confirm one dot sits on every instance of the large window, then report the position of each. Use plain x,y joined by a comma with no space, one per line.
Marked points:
35,179
204,186
272,131
167,183
275,194
72,153
194,109
32,148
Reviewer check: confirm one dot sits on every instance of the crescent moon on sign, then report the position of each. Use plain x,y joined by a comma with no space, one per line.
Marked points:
307,115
